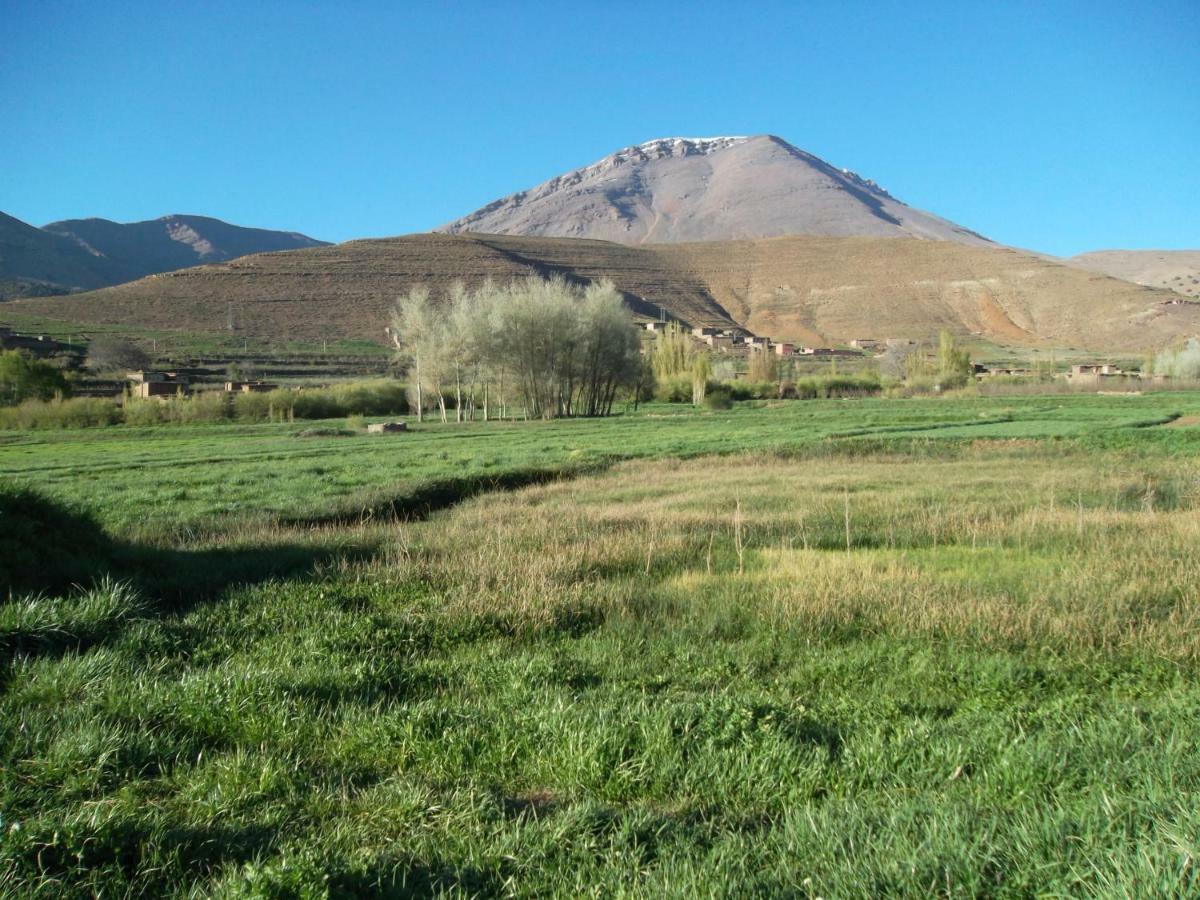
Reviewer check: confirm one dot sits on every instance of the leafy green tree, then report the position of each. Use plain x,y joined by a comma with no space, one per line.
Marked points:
22,378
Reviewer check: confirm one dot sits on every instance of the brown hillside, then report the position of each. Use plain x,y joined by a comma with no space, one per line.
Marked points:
1172,270
840,288
812,289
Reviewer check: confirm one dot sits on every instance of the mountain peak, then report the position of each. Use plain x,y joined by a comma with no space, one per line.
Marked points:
676,189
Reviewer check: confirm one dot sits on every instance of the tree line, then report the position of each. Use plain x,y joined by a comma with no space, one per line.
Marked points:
549,348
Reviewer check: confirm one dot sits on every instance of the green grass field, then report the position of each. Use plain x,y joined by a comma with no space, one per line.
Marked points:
821,648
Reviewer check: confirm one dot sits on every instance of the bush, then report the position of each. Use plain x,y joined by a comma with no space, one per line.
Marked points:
363,398
23,378
80,412
674,389
865,385
718,397
752,390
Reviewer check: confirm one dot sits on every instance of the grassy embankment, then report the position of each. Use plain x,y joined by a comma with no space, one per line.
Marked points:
869,649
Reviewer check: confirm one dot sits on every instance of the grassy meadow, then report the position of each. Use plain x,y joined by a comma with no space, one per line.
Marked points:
810,648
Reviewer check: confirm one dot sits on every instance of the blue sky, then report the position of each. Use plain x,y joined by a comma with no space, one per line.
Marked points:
1061,127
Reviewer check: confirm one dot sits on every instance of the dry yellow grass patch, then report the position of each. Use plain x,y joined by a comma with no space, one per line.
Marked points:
1002,545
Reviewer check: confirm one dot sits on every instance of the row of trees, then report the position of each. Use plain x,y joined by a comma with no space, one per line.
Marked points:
555,347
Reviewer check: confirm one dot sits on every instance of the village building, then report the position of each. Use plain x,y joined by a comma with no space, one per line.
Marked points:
159,384
248,387
1091,373
704,331
984,372
866,344
783,348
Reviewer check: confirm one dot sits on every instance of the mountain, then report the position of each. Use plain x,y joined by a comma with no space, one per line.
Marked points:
34,262
819,290
1175,270
80,254
708,189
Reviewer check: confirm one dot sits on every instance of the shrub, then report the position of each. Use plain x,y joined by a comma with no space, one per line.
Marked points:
752,390
22,378
718,397
864,385
80,412
674,389
137,411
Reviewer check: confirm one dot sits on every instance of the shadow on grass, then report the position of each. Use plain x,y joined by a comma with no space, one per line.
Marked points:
420,878
425,499
119,849
48,548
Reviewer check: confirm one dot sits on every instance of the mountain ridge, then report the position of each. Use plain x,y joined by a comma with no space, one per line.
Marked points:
84,254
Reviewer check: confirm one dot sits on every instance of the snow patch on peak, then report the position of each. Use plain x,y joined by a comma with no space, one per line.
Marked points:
706,144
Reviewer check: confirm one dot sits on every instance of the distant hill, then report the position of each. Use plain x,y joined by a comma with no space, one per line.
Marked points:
811,289
708,189
34,262
81,254
1175,270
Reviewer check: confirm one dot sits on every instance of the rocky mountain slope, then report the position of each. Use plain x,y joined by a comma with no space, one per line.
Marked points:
80,254
811,289
708,189
34,262
1174,270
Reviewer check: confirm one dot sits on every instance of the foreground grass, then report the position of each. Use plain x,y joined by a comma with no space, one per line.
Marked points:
897,670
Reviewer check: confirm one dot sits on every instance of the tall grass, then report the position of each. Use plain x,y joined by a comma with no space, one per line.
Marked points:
367,398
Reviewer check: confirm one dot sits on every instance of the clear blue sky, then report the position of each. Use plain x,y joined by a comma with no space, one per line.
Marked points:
1061,127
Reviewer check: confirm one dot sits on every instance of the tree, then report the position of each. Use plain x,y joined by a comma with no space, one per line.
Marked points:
22,378
701,370
412,331
565,349
893,362
764,366
673,353
953,365
107,353
1183,362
